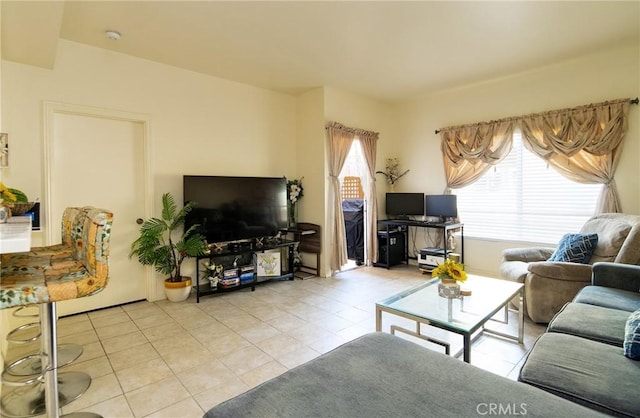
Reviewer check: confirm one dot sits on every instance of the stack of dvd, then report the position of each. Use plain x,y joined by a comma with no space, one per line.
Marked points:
246,274
229,278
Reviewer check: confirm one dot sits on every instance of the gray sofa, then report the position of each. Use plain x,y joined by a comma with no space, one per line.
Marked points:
549,285
380,375
580,357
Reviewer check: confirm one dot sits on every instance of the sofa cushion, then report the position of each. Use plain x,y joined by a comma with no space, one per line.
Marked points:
611,236
575,248
586,372
589,321
515,271
632,336
609,297
380,375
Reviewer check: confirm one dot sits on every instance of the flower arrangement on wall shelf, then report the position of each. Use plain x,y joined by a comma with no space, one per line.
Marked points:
295,191
392,171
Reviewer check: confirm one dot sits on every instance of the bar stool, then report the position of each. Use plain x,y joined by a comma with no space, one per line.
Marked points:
31,364
76,268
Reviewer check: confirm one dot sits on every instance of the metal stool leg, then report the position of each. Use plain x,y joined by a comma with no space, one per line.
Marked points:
54,390
48,315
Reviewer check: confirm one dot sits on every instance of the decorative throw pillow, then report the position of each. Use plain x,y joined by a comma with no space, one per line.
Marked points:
632,336
575,248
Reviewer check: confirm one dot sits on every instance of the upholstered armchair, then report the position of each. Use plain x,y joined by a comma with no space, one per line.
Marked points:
551,284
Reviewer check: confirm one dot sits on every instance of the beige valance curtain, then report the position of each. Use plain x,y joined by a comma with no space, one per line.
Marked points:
340,139
582,143
468,151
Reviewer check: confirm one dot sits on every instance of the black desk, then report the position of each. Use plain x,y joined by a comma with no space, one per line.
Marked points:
401,225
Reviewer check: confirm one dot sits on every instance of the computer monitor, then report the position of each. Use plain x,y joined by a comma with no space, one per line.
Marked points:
404,205
441,205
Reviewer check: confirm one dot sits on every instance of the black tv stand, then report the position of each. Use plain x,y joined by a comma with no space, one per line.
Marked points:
242,254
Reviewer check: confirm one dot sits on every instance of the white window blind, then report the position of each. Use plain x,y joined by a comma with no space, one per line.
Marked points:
522,199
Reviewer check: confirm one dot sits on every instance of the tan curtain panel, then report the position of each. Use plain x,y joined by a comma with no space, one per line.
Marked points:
340,139
369,147
468,151
582,143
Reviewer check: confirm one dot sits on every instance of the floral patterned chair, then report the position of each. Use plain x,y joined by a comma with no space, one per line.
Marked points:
75,268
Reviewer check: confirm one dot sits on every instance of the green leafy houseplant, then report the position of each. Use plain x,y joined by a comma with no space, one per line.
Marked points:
160,243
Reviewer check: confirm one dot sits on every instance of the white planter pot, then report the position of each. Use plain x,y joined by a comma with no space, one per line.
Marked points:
177,291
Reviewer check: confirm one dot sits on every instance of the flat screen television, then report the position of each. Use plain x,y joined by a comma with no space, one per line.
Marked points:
404,205
441,205
236,208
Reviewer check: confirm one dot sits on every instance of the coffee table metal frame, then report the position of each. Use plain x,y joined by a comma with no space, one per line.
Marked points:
508,290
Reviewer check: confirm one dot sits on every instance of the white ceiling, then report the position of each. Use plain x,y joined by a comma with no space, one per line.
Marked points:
387,50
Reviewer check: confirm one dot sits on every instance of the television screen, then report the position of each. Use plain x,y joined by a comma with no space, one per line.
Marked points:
403,205
441,205
236,208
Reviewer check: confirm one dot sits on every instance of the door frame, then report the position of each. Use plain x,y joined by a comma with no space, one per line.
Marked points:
49,111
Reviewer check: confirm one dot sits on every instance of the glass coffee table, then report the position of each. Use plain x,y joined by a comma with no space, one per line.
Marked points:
464,315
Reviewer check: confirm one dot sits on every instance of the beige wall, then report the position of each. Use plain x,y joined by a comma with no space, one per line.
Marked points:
603,76
199,124
310,165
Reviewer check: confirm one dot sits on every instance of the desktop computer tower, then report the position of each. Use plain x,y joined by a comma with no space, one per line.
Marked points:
396,247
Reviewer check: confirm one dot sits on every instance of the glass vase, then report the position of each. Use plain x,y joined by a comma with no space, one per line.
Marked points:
293,215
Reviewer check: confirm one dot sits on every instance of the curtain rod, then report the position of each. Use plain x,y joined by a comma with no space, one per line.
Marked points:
631,101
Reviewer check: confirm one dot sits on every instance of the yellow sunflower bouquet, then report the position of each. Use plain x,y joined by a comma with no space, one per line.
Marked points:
450,270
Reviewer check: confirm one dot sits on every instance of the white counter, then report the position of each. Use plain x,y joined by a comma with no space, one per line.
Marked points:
15,235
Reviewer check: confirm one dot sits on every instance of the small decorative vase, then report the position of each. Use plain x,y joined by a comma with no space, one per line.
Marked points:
392,187
213,281
293,215
448,288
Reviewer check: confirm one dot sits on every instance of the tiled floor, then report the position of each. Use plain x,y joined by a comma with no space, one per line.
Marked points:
168,359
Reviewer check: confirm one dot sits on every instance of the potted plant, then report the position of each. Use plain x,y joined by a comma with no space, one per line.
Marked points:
162,245
392,173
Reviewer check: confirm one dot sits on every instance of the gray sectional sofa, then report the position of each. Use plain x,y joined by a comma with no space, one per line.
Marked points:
580,357
575,369
551,284
381,375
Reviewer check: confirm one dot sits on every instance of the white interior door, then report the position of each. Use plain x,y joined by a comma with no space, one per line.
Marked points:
99,161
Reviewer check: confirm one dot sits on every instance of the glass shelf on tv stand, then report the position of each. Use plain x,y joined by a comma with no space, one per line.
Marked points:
203,286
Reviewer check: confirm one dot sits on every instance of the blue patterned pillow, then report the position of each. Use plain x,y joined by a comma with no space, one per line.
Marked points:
575,248
632,336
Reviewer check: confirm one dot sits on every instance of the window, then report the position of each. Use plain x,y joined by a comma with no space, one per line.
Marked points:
522,199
